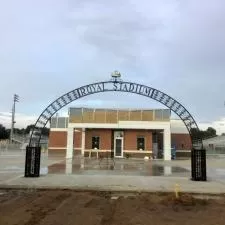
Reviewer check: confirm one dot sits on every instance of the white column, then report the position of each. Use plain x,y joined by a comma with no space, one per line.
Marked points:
83,142
82,162
69,166
167,143
69,149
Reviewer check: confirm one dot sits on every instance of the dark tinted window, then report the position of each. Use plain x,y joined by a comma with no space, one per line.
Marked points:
140,143
95,142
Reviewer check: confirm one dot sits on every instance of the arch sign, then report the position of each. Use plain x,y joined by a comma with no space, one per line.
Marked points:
117,85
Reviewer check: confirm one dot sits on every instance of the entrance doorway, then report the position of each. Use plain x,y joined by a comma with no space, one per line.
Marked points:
118,144
157,144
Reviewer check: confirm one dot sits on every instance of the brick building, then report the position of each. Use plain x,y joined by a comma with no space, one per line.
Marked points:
121,133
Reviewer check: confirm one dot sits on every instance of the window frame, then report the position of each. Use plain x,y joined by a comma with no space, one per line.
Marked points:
92,142
138,147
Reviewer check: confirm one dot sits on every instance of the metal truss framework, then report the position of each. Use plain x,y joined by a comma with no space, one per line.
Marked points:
120,86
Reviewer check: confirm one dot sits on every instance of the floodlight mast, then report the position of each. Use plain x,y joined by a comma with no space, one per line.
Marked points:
116,75
15,99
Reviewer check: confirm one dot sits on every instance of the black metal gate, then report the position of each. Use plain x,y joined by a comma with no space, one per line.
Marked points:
198,164
32,164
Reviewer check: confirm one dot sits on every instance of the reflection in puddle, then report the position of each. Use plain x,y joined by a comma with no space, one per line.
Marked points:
43,170
116,167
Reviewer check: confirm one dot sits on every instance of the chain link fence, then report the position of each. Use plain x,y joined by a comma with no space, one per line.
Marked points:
17,148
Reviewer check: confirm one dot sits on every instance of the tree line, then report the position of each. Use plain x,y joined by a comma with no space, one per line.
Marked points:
5,133
204,134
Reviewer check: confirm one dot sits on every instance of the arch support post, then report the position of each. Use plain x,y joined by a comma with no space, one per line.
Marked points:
198,164
32,163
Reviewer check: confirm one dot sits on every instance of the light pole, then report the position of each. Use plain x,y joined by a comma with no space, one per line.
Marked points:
15,99
116,75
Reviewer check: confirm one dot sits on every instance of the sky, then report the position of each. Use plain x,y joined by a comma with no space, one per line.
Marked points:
49,47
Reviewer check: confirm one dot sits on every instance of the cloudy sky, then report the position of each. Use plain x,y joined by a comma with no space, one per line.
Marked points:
49,47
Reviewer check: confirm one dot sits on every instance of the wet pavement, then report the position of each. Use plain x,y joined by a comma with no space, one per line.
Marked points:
114,175
116,167
12,164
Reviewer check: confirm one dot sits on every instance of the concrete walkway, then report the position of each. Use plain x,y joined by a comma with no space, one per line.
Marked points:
115,183
128,175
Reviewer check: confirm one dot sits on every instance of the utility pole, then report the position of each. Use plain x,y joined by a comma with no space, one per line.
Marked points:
15,99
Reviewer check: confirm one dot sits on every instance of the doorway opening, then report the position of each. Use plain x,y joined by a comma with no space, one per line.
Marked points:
118,144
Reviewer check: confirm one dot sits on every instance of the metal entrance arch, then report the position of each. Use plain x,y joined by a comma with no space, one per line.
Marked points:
115,85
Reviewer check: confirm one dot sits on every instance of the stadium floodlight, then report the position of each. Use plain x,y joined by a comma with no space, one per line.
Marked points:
116,74
16,98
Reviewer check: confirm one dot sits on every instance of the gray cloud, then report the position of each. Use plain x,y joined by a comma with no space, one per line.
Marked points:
50,47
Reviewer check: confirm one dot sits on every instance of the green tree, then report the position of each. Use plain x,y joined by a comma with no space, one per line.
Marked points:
200,134
210,132
23,131
44,131
3,133
29,128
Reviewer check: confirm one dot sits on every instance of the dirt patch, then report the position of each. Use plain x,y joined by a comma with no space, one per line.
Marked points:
60,207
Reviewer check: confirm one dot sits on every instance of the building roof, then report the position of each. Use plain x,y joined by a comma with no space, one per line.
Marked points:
96,115
218,140
178,127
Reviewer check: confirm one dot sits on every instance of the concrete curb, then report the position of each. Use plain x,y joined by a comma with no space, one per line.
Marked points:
104,189
100,189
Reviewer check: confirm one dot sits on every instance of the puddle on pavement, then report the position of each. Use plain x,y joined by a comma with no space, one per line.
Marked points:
86,166
110,167
115,167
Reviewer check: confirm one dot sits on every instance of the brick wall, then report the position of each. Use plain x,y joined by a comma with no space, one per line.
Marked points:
77,136
130,139
58,139
105,138
181,141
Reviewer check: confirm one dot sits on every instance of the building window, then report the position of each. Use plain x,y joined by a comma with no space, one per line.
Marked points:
140,143
211,146
95,142
182,146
